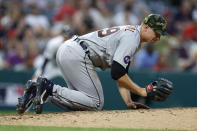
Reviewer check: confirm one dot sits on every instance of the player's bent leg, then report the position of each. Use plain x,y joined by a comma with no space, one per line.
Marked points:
62,97
79,72
74,100
25,101
68,105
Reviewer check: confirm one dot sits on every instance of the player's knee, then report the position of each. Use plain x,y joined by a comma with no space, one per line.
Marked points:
100,105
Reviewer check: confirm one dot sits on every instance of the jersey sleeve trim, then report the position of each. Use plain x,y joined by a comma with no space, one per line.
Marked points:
117,70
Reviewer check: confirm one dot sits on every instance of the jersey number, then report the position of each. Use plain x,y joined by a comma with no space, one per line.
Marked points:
107,31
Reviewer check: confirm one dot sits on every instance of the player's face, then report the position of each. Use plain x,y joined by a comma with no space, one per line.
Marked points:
152,36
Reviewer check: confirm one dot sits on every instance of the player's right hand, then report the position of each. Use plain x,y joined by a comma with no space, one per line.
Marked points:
137,105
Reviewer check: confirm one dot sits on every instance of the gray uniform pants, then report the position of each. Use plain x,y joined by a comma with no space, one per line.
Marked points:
84,90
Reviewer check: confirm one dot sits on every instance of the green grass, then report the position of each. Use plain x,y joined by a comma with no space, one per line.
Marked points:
39,128
2,113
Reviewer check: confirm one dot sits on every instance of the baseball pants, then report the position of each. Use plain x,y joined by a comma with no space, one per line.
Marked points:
84,91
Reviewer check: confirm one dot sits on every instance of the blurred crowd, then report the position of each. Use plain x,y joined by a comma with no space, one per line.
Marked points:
27,25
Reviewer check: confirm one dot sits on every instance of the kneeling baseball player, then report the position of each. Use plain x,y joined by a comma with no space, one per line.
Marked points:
107,48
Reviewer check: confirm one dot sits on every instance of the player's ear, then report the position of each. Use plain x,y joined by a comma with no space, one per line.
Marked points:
145,27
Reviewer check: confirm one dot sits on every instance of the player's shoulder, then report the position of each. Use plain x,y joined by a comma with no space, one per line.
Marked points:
130,31
130,34
134,29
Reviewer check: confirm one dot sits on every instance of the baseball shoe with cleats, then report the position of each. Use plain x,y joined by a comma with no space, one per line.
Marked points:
25,101
43,90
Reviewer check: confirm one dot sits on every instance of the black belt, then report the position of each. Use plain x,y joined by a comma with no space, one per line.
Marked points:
83,45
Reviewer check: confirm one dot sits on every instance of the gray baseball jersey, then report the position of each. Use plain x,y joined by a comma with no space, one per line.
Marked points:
117,43
84,90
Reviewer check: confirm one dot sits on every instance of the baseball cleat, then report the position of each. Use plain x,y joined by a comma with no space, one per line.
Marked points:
25,101
43,89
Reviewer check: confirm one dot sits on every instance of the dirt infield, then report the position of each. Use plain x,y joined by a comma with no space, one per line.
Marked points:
170,118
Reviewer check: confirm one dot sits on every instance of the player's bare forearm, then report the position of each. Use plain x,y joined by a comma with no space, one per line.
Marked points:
125,94
127,83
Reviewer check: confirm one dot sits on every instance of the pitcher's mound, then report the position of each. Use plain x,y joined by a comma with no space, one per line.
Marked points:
169,118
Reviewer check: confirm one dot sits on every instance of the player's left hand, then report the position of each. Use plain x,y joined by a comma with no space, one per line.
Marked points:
136,105
159,90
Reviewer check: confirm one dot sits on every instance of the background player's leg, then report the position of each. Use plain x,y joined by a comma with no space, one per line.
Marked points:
51,71
85,90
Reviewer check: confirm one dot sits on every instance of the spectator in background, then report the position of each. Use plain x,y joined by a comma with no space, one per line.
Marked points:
168,15
37,21
1,60
139,8
146,58
100,14
184,35
190,32
171,52
41,4
192,64
83,21
126,16
194,67
183,55
40,26
87,15
183,17
15,54
29,41
66,12
10,21
50,10
161,64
